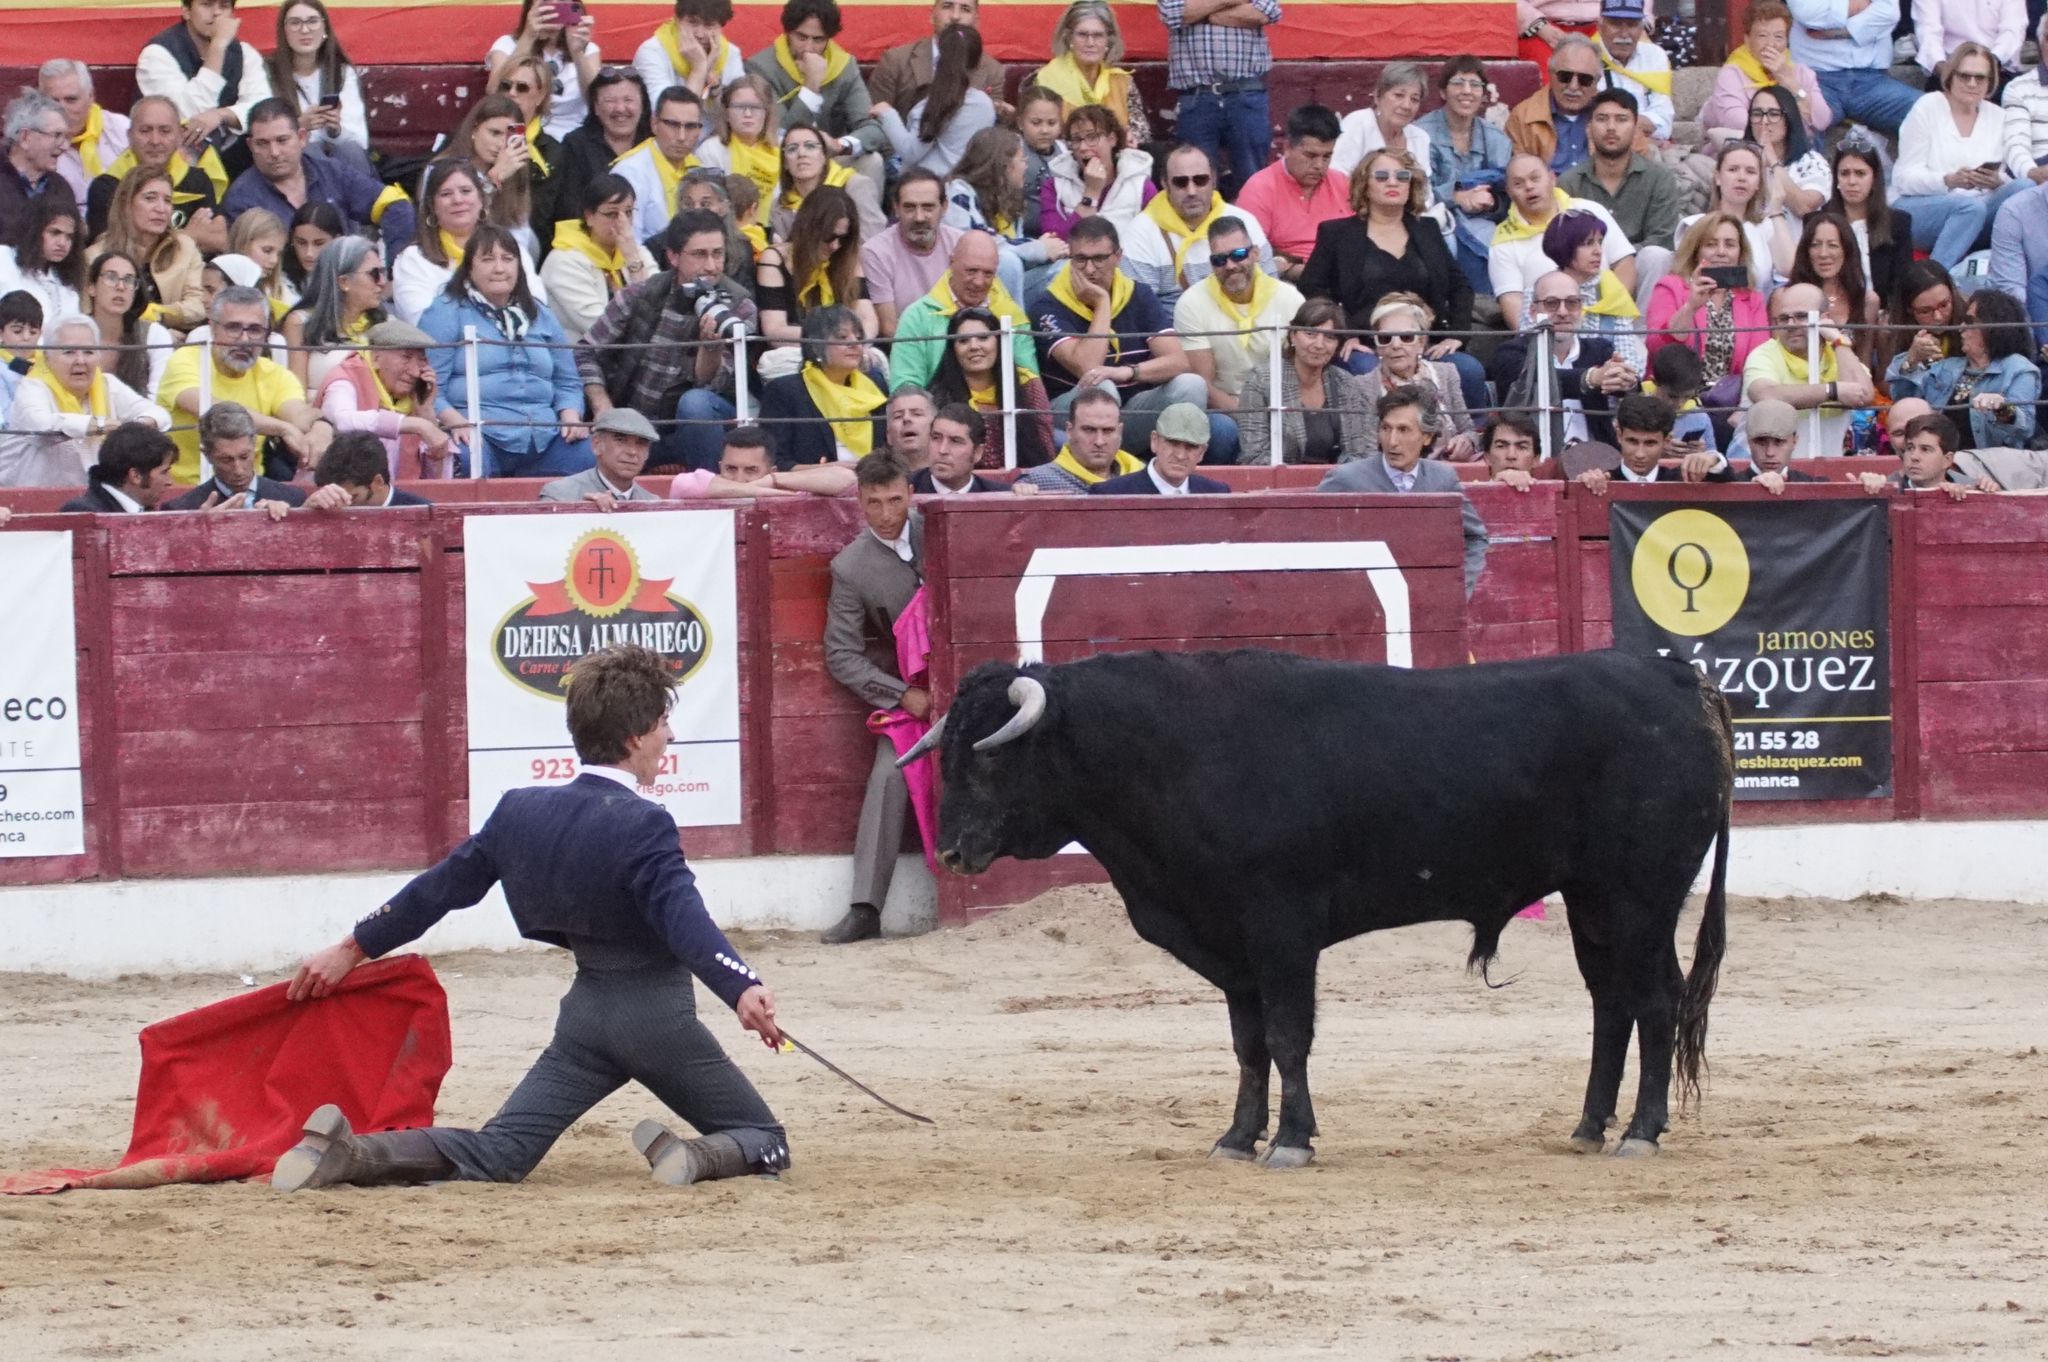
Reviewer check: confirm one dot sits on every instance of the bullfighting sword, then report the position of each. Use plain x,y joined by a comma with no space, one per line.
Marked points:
791,1042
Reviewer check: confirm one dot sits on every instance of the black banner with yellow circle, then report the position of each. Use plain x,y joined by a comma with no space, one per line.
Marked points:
1786,605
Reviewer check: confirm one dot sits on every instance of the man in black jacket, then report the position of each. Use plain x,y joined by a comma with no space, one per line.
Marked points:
954,443
133,474
594,867
1642,423
355,471
227,438
1585,373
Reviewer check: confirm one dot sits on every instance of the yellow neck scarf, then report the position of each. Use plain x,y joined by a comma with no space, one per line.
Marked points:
671,176
88,141
999,302
1519,228
209,165
836,62
533,156
452,249
1657,82
1125,463
836,175
1167,217
848,406
759,162
984,398
384,397
1796,369
1111,86
817,291
572,235
1120,291
1744,60
1263,288
756,235
69,404
1613,300
667,35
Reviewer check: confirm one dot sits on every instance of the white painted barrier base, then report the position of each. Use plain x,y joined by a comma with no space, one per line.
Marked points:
266,923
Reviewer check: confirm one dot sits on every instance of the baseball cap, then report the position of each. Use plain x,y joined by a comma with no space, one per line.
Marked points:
626,421
1184,423
1622,9
1773,418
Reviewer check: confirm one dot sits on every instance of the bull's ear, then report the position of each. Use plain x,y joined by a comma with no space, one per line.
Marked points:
923,745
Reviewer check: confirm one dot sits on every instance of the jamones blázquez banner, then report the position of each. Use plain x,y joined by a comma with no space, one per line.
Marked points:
1787,607
111,32
542,591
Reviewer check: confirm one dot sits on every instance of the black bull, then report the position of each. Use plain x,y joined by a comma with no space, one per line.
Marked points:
1254,807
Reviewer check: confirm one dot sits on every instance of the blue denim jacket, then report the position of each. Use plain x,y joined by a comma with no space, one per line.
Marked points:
2013,377
524,382
1490,151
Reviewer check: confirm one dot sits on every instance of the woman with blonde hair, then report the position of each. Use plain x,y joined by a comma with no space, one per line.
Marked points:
259,235
141,224
1693,308
1740,189
1400,326
1086,46
1956,166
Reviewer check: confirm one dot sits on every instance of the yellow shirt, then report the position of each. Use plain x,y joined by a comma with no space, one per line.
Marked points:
267,386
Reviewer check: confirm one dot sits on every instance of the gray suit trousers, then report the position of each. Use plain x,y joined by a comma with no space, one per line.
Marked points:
617,1026
880,836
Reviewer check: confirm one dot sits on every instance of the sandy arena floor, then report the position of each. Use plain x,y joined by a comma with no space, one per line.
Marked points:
1869,1177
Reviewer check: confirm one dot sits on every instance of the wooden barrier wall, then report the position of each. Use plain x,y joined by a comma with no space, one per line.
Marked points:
260,697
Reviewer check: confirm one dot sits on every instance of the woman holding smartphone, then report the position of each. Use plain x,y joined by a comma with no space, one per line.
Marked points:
1707,304
1954,170
559,33
310,72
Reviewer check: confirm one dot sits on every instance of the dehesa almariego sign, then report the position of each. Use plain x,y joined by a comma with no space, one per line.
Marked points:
42,800
1787,606
544,590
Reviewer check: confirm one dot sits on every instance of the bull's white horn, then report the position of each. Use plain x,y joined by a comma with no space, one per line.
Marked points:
923,745
1029,698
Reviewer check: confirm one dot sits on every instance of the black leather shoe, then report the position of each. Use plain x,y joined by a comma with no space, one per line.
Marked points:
862,922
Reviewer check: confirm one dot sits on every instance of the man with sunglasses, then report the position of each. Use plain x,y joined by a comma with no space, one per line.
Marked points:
284,179
677,125
1226,321
1167,246
1551,123
1110,332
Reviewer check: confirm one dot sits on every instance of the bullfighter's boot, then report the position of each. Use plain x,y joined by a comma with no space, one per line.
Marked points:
677,1162
333,1153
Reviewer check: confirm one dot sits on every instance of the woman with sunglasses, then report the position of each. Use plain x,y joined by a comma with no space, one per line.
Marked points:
1954,168
1387,246
559,32
525,83
1400,330
1796,173
1468,163
133,350
818,267
310,72
968,373
1324,417
1989,379
344,299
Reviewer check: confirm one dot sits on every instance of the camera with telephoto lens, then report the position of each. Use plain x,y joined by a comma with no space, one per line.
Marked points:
710,299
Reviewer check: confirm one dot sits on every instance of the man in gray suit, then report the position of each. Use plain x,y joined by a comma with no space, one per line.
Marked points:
873,578
1408,419
620,439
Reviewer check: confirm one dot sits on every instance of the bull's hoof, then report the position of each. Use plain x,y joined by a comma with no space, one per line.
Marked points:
1588,1144
1635,1147
1286,1156
1229,1155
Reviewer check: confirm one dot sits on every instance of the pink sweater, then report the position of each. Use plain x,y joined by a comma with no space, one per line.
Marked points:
1667,300
1727,108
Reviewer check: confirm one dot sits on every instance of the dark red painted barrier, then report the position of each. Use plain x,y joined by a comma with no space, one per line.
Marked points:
282,697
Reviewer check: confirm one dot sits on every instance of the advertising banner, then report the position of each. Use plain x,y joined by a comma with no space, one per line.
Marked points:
42,798
543,590
1787,606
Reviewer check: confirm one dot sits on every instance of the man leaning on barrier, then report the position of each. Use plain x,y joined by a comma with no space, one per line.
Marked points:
227,436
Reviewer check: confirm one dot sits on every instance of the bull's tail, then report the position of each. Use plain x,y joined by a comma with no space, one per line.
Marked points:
1691,1057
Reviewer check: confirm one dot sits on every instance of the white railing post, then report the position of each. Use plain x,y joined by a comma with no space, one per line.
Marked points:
1007,363
739,374
477,451
205,402
1813,376
1546,352
1276,424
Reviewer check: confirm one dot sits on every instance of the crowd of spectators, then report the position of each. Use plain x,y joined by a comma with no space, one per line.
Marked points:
605,269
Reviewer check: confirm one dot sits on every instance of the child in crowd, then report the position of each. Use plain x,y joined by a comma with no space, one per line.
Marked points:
746,210
1038,119
21,331
1676,377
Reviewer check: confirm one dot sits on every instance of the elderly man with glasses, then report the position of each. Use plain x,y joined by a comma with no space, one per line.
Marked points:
1551,123
1586,375
37,138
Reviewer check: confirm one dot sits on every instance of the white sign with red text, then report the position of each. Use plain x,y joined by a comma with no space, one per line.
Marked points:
544,590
